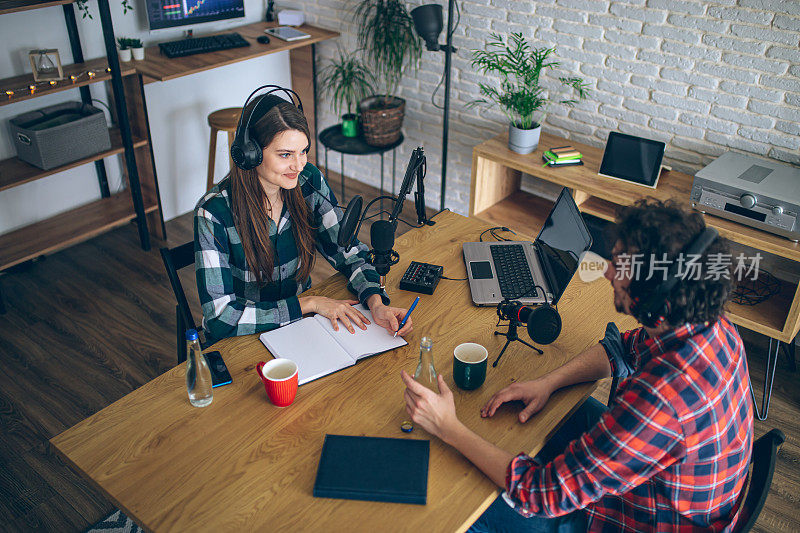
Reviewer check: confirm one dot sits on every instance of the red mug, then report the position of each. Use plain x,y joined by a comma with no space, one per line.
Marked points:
280,380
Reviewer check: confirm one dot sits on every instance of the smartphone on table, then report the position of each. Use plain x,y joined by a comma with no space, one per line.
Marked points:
219,372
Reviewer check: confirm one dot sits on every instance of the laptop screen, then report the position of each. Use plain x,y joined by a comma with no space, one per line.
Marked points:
561,242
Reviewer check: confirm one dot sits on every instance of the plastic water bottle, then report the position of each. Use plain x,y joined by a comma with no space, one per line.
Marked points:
198,375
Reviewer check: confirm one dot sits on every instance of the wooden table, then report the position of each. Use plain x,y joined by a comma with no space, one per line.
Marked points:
243,465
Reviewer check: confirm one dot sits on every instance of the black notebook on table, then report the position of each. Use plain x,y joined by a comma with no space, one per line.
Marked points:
373,469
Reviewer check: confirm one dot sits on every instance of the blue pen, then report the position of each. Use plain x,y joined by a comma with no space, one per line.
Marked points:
405,318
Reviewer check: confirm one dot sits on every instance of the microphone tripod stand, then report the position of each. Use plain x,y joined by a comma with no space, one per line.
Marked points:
511,335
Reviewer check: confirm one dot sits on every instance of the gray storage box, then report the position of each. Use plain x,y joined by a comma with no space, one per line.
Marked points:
59,134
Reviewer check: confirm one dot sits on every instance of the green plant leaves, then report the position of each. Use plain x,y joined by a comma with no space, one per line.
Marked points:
520,66
388,41
346,81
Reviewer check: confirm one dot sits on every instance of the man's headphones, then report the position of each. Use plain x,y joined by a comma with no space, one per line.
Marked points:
652,310
246,152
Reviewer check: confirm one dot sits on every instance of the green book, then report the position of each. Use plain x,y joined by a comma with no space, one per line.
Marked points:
553,157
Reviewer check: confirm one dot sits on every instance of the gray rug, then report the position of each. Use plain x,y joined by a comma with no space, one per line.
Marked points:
116,522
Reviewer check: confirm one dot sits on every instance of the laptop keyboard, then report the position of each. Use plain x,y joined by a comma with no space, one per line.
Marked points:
513,271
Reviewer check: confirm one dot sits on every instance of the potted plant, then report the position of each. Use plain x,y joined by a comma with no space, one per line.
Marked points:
124,48
520,96
137,48
347,81
390,45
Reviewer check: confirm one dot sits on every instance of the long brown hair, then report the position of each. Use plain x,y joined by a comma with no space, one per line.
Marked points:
248,201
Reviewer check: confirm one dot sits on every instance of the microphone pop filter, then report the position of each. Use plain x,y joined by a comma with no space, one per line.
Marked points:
350,218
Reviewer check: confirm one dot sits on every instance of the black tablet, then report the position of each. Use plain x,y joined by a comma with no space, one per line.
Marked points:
632,159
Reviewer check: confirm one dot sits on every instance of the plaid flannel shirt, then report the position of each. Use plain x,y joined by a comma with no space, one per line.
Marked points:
673,450
232,301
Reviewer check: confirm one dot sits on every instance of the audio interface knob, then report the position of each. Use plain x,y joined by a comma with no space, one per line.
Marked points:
777,210
747,200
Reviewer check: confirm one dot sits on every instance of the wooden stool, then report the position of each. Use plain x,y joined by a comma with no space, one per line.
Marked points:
221,120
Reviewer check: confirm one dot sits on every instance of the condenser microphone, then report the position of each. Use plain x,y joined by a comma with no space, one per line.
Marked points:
543,323
382,257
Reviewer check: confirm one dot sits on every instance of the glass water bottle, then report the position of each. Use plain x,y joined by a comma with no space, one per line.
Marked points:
198,375
426,373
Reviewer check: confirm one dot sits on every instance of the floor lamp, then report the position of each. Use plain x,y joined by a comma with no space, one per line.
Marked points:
428,23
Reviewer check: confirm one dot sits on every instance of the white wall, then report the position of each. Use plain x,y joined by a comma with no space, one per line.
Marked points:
177,109
703,76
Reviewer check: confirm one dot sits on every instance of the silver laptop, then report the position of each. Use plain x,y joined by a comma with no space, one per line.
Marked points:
530,272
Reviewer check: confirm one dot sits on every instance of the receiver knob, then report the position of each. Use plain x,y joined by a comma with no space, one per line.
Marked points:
747,200
777,210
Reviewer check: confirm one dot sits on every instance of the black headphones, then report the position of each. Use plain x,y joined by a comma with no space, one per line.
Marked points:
245,152
652,311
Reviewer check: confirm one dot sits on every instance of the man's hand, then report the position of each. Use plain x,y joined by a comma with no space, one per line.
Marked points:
534,394
435,413
387,317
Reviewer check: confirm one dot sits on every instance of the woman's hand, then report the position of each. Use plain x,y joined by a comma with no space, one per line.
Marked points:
387,317
335,311
435,413
534,394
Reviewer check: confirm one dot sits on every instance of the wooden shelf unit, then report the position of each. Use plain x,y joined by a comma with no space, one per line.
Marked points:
14,171
495,197
68,228
130,138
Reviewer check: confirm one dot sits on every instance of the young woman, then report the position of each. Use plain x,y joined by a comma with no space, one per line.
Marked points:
255,236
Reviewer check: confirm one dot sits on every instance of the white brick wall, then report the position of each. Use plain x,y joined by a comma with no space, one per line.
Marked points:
704,77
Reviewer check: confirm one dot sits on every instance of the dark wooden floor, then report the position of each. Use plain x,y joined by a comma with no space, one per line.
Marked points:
89,324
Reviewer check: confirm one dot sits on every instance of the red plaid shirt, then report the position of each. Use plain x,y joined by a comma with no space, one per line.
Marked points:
670,454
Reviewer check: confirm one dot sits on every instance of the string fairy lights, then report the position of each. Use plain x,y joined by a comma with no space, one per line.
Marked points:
33,88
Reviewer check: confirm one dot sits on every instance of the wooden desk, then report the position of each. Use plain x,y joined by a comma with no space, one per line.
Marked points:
496,176
243,465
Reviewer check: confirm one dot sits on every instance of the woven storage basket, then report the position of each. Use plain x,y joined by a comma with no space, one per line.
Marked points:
382,125
44,141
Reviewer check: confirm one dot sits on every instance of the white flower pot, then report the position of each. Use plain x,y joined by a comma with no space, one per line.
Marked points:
138,53
125,55
523,141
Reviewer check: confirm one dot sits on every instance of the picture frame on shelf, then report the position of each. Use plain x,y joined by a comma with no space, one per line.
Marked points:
46,65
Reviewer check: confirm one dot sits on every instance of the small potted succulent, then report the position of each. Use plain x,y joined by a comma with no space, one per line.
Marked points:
347,81
137,48
125,52
520,96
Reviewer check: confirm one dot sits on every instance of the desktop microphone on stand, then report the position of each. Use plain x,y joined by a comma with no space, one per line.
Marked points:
382,256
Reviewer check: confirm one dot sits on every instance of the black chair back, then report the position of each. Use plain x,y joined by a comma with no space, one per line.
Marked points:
175,259
765,452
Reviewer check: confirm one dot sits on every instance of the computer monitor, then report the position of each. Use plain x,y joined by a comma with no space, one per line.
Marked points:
171,13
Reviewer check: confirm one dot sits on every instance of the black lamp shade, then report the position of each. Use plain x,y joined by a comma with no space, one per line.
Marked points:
428,21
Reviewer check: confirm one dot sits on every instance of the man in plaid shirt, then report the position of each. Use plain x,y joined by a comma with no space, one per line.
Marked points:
233,302
672,449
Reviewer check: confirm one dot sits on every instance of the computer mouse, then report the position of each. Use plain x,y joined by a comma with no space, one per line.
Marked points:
263,39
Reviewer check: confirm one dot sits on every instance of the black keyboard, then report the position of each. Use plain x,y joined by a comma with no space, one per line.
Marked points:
513,271
201,45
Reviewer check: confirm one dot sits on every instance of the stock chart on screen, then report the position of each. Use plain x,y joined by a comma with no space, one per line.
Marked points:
168,13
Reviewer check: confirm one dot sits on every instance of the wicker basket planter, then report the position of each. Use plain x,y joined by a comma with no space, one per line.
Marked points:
381,124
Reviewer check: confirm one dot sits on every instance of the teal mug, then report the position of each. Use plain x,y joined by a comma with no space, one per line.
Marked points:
469,365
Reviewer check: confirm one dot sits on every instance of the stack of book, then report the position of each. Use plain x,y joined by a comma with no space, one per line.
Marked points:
562,156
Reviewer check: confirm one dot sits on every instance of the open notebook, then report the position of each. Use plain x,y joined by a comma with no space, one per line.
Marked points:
318,350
